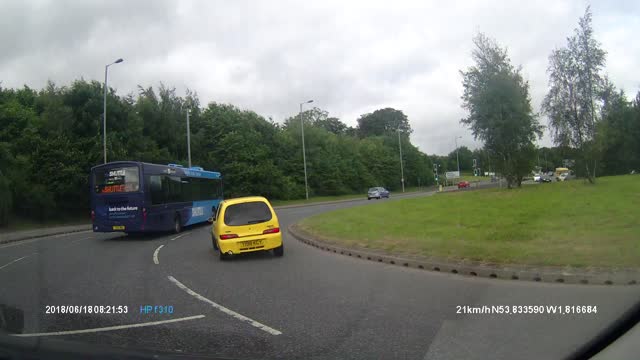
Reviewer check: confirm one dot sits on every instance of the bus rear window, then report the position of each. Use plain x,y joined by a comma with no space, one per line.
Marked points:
116,180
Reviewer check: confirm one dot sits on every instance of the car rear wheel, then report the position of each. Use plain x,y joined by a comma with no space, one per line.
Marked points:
279,251
177,224
223,256
368,198
213,242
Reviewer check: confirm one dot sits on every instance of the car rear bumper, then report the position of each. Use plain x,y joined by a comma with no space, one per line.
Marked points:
250,243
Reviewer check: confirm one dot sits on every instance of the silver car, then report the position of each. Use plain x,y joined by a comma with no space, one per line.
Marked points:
377,193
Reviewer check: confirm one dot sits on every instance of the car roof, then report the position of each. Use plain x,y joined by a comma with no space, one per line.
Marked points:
245,199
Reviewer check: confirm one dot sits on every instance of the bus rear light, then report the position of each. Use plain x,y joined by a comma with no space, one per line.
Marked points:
271,231
228,236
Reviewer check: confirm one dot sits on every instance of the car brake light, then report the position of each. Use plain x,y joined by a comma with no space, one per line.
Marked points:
228,236
271,231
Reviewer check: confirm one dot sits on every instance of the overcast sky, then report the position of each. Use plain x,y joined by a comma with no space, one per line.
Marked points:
350,57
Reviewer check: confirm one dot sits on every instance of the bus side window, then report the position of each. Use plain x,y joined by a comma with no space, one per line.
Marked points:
155,185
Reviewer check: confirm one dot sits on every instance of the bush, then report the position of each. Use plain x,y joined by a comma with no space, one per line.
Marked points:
6,200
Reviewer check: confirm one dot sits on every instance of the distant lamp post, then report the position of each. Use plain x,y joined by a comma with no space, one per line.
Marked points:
457,157
188,139
104,114
401,166
304,155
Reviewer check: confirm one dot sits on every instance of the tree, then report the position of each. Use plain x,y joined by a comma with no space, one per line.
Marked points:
619,134
382,122
50,139
465,157
572,103
332,124
500,114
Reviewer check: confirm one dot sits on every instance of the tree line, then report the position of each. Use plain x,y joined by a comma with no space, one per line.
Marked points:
590,121
50,139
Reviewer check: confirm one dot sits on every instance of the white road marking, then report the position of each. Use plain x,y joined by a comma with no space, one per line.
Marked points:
19,242
24,242
84,238
14,261
110,328
179,236
155,255
71,233
225,310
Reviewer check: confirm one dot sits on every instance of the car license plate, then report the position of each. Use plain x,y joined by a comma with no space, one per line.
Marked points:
118,227
250,243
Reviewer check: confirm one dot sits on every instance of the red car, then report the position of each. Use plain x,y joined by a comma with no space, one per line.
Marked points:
463,184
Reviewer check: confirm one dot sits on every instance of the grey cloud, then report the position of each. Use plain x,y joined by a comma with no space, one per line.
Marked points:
351,57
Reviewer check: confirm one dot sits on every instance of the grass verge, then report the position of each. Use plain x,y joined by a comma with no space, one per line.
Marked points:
567,223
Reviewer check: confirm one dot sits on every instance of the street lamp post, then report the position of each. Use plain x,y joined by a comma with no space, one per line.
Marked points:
457,158
304,155
401,166
188,139
104,114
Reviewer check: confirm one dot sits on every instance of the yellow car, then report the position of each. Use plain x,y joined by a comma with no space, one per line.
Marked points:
245,225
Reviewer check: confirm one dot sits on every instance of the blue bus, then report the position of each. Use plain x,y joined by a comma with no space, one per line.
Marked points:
131,196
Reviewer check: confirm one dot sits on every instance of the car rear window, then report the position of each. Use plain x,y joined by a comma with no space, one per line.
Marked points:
247,213
373,189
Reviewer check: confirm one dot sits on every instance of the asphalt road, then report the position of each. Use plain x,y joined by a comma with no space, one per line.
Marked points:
308,304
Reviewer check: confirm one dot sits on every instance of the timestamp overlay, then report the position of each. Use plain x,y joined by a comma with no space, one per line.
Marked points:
557,310
86,309
144,309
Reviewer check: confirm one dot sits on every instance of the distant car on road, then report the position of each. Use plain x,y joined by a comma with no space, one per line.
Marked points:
464,184
245,225
377,193
537,177
545,179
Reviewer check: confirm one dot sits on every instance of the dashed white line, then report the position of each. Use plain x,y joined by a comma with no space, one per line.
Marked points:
225,310
179,236
110,328
84,238
155,255
14,261
19,242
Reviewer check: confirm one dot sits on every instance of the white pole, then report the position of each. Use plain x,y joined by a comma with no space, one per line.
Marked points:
104,111
188,139
104,117
401,166
457,158
304,152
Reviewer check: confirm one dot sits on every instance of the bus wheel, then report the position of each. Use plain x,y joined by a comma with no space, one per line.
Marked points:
177,226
